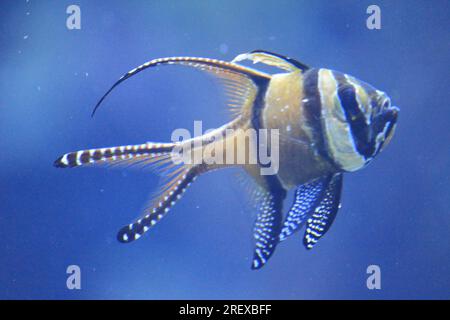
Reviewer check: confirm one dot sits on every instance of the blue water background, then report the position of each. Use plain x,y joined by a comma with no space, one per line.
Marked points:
395,212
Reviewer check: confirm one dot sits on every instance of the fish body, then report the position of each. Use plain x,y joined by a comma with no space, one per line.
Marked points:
326,123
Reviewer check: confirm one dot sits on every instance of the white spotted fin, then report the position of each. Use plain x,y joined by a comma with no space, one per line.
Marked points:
241,84
306,198
178,176
324,214
268,222
315,204
266,198
179,180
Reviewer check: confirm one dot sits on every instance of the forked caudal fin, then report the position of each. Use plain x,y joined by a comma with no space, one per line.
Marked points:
159,155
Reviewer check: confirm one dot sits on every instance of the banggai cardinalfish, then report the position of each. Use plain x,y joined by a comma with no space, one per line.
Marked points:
328,123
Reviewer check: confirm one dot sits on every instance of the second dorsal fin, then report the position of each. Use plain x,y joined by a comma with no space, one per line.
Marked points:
272,59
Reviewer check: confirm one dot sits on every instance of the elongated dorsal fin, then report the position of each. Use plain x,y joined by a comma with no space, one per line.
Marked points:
240,81
272,59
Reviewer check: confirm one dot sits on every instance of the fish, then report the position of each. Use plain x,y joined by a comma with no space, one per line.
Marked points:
327,124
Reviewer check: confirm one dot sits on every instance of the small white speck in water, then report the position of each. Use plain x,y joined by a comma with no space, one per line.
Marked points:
223,48
25,37
86,74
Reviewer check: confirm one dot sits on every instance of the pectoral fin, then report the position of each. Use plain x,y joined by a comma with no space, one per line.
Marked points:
272,59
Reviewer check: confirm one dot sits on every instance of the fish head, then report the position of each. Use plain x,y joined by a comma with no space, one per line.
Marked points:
370,116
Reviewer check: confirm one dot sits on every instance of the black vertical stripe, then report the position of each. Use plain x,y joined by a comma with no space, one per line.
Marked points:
257,111
313,110
259,104
355,116
272,181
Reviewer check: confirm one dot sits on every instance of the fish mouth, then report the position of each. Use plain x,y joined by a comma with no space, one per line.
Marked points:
387,109
391,113
395,109
391,116
394,112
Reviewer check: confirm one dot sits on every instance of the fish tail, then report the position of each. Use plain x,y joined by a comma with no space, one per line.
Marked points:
179,181
114,155
177,177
